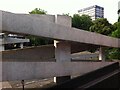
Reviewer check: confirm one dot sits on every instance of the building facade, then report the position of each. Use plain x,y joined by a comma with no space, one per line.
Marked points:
93,11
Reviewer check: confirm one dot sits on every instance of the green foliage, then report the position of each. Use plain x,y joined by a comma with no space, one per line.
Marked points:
115,25
116,33
67,14
119,19
81,22
36,41
38,11
102,26
114,53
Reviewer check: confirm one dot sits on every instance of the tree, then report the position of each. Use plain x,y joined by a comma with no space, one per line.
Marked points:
66,14
102,26
116,33
38,11
81,22
35,41
114,53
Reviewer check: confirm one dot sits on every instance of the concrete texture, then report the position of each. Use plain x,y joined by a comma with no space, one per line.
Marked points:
31,54
62,51
23,24
64,20
48,18
62,48
41,53
37,70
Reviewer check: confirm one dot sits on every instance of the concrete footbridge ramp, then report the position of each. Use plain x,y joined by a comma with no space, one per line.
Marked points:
49,60
31,25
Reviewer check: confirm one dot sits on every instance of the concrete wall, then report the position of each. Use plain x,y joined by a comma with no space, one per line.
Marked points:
39,52
32,54
64,20
37,70
29,25
48,18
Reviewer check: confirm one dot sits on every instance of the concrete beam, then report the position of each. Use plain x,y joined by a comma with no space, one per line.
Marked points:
23,24
12,40
37,70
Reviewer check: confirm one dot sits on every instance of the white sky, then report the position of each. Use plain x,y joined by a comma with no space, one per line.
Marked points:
60,6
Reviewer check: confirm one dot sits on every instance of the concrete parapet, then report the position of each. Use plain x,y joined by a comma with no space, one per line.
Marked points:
23,24
30,54
37,70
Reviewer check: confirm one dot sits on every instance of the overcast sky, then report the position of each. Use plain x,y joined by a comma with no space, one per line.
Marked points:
60,6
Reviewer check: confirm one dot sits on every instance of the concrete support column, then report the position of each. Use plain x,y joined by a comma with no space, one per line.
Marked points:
62,51
21,45
2,48
62,54
102,53
61,79
62,48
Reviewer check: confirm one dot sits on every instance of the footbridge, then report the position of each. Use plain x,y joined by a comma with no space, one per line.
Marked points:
51,60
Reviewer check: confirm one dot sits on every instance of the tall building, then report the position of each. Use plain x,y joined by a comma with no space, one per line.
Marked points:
119,8
93,11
